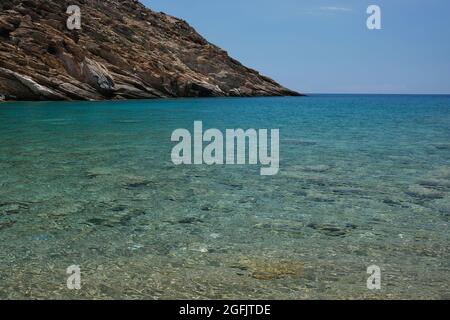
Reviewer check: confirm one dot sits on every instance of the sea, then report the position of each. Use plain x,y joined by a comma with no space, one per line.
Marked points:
363,185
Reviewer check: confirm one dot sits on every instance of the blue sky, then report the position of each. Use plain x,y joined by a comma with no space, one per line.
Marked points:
319,46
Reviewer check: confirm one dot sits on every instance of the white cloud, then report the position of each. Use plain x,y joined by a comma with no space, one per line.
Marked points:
335,9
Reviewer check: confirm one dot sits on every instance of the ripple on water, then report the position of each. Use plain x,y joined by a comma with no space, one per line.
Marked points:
99,190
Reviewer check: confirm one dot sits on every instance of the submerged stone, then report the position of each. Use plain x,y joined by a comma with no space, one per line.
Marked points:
299,142
301,193
262,269
248,199
319,197
435,183
119,208
423,193
206,207
97,172
317,168
132,182
442,146
233,186
199,247
137,185
190,220
391,202
41,237
116,220
348,191
10,208
283,226
442,206
7,224
97,221
333,230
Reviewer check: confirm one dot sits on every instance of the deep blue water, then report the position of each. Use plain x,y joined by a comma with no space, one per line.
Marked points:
363,180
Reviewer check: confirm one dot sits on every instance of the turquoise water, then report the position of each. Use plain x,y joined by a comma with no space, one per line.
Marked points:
364,180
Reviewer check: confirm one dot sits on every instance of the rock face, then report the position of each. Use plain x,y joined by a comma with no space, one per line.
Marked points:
123,51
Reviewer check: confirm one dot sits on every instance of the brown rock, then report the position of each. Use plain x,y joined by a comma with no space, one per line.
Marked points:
124,50
262,269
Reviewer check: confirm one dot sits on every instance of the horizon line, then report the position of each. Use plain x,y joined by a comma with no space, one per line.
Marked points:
378,94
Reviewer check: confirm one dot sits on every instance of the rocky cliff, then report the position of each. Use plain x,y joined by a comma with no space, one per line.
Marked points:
122,51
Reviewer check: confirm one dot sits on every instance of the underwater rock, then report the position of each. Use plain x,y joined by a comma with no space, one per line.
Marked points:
130,215
262,269
121,219
98,221
282,226
391,202
293,175
128,121
136,182
319,197
137,185
119,208
190,220
435,183
97,172
442,206
64,210
248,199
317,168
348,191
7,224
299,142
40,237
135,247
233,186
332,230
198,247
206,207
442,146
320,181
10,208
422,193
300,193
313,173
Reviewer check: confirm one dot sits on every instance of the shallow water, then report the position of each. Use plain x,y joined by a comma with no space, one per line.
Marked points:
364,180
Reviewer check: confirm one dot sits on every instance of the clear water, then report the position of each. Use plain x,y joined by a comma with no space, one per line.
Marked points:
363,180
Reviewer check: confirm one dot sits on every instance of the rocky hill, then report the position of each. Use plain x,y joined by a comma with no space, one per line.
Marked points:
123,51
